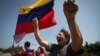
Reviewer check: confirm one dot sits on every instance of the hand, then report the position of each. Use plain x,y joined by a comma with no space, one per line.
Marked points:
35,22
70,9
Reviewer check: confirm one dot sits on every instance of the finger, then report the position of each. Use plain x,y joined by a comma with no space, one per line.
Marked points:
34,20
72,0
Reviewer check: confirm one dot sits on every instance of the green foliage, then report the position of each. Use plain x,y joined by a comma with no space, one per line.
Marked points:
11,49
1,49
17,49
92,47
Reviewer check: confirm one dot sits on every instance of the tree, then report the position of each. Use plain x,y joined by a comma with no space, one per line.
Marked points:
93,48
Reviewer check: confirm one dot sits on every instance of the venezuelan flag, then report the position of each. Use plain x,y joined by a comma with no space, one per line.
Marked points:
42,9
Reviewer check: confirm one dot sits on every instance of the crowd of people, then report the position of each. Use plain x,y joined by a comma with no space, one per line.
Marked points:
31,52
64,46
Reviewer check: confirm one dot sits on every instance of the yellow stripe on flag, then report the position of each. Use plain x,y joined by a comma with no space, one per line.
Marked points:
25,10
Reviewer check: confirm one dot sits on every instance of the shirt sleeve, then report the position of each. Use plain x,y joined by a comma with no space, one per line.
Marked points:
70,52
51,47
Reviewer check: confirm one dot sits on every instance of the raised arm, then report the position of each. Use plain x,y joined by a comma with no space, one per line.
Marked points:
37,34
70,10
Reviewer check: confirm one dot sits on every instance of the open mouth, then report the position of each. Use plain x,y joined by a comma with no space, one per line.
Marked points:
58,39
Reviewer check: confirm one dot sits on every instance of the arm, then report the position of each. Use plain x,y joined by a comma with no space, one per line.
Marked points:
38,36
70,10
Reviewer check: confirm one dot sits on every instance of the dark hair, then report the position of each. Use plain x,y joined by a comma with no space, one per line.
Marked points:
27,44
67,35
41,49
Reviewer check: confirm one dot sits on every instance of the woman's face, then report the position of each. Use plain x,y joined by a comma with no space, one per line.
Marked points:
39,51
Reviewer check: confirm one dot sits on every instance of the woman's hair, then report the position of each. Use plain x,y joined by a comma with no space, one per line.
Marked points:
67,35
41,49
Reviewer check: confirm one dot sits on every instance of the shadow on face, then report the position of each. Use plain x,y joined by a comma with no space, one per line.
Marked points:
63,37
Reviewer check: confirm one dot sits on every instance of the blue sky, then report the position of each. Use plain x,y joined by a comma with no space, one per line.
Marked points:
87,18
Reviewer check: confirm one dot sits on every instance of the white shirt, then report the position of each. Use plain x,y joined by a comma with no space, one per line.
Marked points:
63,51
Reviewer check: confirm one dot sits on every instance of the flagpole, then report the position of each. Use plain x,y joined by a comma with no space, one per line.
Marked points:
13,48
